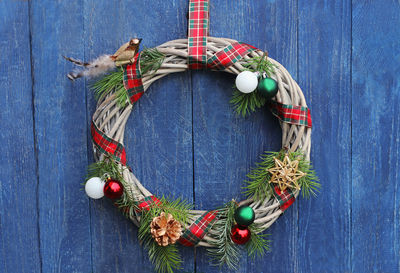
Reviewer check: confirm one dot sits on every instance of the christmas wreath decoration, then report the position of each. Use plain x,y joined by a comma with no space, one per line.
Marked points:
271,186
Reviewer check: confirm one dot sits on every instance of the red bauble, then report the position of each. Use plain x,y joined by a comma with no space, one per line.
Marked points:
240,234
113,189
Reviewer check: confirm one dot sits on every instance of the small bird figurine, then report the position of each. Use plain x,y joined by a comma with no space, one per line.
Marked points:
124,55
127,52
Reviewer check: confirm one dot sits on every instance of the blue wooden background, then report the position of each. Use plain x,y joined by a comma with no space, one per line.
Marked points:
184,139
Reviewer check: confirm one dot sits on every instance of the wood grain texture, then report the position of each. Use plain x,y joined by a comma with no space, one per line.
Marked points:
19,249
324,75
226,146
376,132
61,130
159,141
183,138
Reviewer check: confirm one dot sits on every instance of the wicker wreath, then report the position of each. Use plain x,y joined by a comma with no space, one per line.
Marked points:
111,119
235,222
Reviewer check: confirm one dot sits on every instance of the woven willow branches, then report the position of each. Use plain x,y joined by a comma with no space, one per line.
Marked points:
111,119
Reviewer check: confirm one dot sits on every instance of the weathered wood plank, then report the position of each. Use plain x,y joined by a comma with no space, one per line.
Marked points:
61,129
324,74
19,250
158,135
227,146
376,132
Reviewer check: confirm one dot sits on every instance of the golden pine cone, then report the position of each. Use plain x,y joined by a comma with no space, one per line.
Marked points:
165,229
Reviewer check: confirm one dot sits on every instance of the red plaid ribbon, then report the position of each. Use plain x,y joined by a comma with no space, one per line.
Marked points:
198,229
147,202
197,33
229,55
286,198
298,115
133,80
108,145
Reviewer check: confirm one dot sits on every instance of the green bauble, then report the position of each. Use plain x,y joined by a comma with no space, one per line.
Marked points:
244,216
267,87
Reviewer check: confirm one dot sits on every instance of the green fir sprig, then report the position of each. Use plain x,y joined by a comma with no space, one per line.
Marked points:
258,186
108,167
164,258
258,243
224,250
112,83
244,104
150,61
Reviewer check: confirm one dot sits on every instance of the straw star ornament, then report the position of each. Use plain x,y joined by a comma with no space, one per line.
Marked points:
286,173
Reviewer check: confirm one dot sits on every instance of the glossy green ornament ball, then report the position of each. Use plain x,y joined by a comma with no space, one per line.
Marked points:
244,215
267,87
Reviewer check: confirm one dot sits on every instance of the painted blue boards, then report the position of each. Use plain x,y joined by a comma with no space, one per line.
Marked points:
19,249
183,138
158,135
324,74
61,132
375,138
226,146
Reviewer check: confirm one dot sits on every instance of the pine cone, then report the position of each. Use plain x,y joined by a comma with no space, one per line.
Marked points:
165,229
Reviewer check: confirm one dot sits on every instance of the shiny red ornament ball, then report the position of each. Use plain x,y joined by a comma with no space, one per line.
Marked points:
113,189
240,234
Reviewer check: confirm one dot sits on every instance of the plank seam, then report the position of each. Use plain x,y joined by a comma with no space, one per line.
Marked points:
351,139
35,144
88,139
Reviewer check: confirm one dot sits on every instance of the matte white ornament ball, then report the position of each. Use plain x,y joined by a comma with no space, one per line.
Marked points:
246,81
94,188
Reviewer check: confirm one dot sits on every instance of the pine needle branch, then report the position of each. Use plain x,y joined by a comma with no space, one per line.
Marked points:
106,166
111,83
258,186
150,61
110,168
258,244
260,64
244,104
165,259
225,251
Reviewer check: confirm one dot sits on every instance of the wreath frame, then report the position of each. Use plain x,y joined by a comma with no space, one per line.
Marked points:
110,118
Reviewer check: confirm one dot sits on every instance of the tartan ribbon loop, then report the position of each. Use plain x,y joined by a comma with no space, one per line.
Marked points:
147,202
286,197
193,235
107,145
229,55
293,114
197,33
198,27
133,80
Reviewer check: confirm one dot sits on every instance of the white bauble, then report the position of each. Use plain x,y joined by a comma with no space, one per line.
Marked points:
246,81
94,188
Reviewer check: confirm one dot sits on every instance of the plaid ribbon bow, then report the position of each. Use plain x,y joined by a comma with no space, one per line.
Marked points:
286,197
197,33
298,115
148,202
197,41
198,229
107,145
133,80
229,55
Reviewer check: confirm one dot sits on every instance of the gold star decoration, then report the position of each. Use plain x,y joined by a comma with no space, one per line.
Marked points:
286,173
